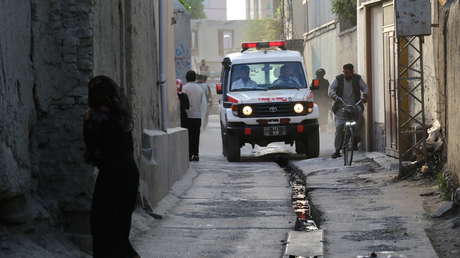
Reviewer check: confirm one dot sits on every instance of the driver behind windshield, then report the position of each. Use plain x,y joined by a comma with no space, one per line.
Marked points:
287,77
244,81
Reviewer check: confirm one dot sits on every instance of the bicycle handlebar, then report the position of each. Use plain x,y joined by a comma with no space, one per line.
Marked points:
357,103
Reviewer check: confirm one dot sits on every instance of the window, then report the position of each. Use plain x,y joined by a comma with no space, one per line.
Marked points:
388,14
225,41
267,76
194,40
228,40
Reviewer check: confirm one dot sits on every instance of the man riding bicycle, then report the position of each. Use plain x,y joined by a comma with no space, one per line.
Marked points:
347,89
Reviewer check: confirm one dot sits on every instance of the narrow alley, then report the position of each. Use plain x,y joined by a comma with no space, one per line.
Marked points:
244,209
229,128
229,209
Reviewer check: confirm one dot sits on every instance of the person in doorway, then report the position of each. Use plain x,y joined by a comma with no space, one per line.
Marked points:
204,68
184,104
107,131
347,88
195,95
322,97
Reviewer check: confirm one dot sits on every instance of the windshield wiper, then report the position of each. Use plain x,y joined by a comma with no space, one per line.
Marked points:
248,89
281,87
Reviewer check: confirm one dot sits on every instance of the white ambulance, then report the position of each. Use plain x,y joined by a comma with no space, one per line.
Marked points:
265,99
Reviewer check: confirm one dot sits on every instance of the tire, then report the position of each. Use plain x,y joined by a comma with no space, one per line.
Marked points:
300,147
348,147
224,141
233,149
312,143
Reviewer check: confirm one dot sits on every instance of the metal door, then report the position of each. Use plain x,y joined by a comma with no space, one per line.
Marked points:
391,84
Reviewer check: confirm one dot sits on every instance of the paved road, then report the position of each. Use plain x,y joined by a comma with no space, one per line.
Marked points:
243,209
363,210
231,210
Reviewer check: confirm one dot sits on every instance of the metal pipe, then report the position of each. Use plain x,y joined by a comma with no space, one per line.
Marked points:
162,54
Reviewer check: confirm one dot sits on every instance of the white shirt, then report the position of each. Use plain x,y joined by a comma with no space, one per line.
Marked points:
195,96
239,84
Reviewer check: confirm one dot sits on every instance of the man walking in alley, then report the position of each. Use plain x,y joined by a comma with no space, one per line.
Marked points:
347,88
195,96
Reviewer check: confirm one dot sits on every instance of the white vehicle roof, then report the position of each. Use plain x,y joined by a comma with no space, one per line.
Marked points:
262,56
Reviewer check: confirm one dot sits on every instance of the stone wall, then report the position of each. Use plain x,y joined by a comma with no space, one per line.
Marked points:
49,49
17,107
45,60
45,63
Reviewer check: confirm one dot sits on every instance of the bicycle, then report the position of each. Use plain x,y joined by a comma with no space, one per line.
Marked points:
350,113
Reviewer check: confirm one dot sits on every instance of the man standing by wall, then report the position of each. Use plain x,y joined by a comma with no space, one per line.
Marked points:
348,88
322,97
195,95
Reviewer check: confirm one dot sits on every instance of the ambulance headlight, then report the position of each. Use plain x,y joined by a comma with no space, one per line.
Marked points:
247,110
299,108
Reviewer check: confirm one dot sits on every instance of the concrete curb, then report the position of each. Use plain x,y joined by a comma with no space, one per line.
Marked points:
386,162
171,199
142,222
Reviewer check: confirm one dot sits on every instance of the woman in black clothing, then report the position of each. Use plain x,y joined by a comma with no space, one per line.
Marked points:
109,147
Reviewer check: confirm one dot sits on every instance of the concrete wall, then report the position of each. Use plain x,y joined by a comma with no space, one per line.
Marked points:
434,92
452,63
129,57
183,38
125,44
163,166
321,52
347,48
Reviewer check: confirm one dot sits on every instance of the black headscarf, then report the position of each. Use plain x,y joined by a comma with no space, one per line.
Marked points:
104,92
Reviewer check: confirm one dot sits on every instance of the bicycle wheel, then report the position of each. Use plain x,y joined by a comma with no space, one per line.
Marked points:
346,136
350,146
347,146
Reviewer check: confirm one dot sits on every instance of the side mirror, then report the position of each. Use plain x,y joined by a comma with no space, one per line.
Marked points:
315,84
219,88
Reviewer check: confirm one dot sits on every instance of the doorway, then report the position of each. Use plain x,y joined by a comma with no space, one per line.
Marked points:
391,101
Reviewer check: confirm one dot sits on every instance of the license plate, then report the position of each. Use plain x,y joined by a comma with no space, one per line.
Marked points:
274,131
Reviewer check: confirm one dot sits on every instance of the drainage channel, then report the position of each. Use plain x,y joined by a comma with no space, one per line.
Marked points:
306,240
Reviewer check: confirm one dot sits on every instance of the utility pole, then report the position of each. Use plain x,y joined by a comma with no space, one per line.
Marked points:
162,69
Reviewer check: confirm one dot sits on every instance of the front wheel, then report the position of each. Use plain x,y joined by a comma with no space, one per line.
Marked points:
312,144
300,147
224,141
348,146
233,148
